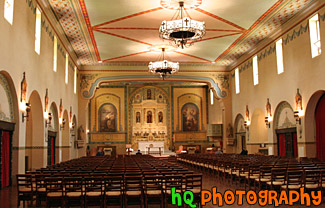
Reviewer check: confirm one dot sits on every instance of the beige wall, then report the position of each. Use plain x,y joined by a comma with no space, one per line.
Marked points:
300,71
18,56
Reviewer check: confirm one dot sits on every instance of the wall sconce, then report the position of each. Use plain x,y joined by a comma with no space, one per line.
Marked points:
71,125
298,113
268,117
268,120
48,119
25,107
62,123
247,123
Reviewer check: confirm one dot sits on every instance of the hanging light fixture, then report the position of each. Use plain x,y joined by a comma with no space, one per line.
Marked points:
182,32
163,67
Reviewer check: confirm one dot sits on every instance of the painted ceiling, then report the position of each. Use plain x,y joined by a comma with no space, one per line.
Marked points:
125,31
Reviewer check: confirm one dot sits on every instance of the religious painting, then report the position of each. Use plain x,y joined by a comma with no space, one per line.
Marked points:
107,118
137,117
149,117
160,117
190,117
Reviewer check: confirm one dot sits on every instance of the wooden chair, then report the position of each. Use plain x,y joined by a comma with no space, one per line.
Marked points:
278,178
253,174
54,192
264,176
172,181
94,191
294,180
153,190
113,191
133,192
40,189
312,180
193,183
25,189
73,191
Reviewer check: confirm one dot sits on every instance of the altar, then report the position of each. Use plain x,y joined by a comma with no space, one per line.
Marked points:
154,145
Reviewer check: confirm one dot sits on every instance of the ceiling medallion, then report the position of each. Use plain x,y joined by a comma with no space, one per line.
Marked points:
174,4
163,67
182,32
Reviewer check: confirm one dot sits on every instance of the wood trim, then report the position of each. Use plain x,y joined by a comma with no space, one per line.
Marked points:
288,130
7,126
52,133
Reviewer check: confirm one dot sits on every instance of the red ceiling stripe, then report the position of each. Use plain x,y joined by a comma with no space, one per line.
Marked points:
120,36
133,54
220,36
222,30
219,18
129,16
127,28
185,54
91,34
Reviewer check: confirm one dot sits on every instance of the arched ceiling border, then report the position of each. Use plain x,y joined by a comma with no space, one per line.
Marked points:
89,94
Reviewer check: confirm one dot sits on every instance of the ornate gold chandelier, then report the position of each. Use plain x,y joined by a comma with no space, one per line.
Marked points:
163,67
184,31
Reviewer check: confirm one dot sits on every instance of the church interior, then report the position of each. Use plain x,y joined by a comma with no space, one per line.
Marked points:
227,94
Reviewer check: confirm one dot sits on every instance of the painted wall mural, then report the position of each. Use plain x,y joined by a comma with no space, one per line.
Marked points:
107,118
190,117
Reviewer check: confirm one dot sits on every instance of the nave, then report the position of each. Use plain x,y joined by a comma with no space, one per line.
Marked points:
117,181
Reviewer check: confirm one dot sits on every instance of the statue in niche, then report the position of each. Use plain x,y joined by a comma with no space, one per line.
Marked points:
160,117
46,100
81,131
268,108
247,112
298,100
149,94
230,131
137,98
137,117
149,117
23,86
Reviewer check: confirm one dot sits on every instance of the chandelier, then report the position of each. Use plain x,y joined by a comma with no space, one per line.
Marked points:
182,32
164,67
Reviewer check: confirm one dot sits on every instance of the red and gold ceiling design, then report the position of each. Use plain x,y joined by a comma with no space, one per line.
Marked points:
127,30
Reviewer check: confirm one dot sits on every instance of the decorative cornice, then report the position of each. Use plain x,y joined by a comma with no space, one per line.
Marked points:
89,94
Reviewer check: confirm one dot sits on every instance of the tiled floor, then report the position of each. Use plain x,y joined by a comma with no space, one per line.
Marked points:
8,197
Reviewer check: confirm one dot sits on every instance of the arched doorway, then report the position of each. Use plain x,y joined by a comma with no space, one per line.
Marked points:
52,138
240,133
312,138
35,134
285,130
9,130
65,138
320,128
